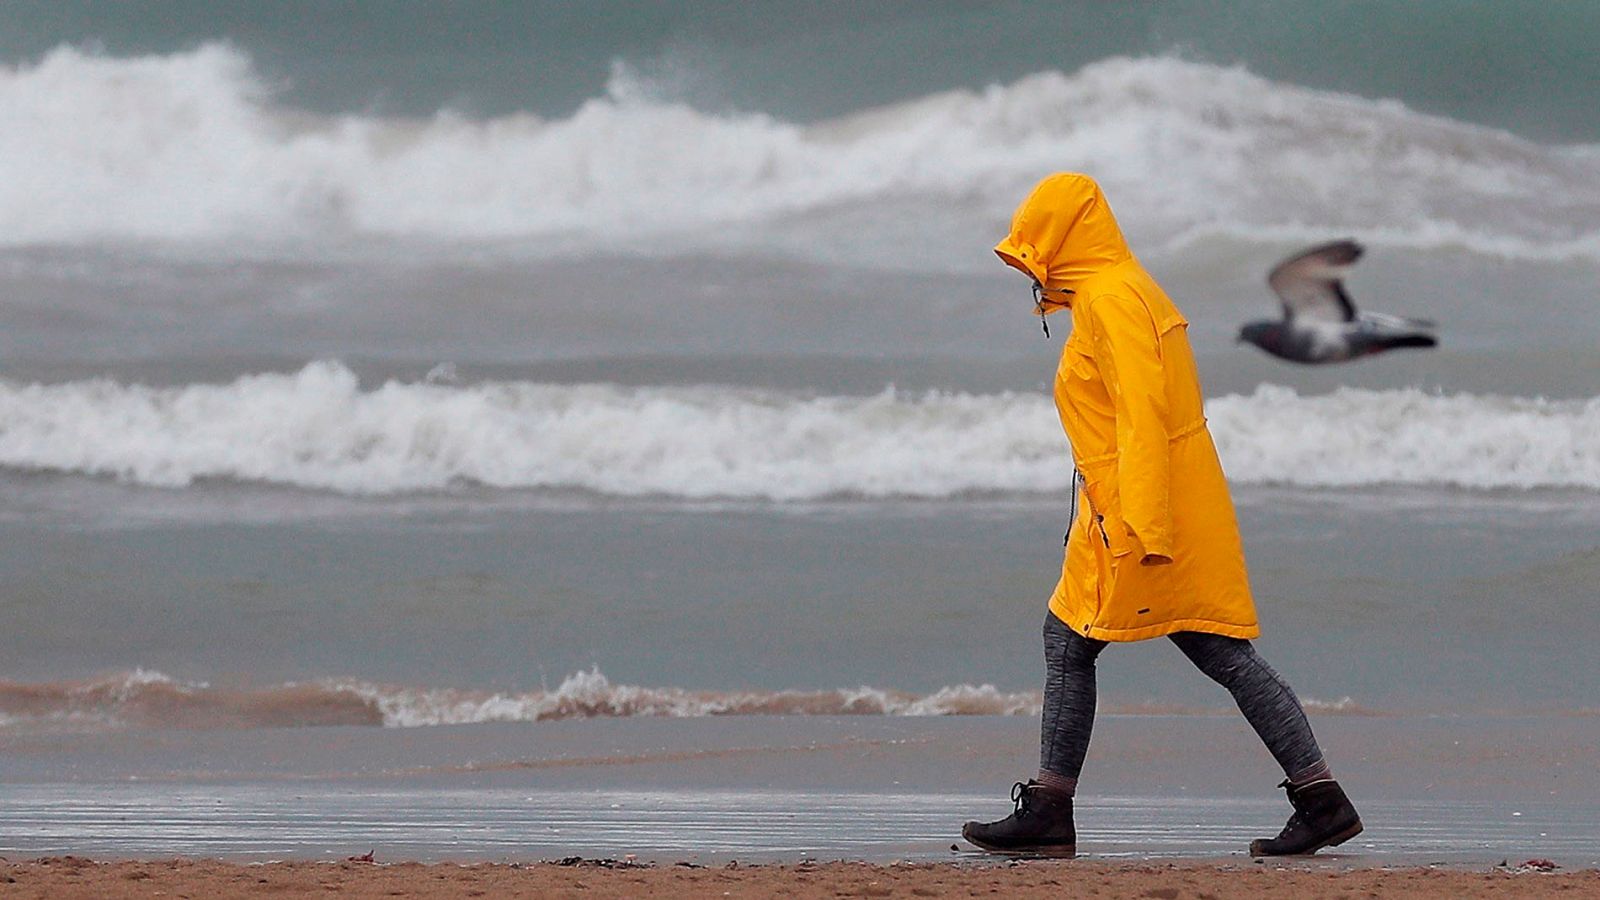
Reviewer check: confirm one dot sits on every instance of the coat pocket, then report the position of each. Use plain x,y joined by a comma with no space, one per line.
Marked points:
1108,526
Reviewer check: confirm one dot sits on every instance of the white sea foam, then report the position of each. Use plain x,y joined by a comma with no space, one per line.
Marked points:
319,428
1354,437
147,699
192,146
591,694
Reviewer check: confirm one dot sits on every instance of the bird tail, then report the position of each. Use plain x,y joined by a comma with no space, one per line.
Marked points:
1409,340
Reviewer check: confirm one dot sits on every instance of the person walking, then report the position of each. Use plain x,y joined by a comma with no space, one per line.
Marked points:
1153,549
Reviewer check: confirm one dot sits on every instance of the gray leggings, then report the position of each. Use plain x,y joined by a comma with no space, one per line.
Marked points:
1265,699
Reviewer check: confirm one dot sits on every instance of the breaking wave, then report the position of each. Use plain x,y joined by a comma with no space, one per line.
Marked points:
321,429
145,699
191,146
149,699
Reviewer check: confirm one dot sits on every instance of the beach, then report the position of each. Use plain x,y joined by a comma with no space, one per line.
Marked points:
430,455
74,877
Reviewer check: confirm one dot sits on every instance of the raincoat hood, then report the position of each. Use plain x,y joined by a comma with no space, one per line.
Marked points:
1063,233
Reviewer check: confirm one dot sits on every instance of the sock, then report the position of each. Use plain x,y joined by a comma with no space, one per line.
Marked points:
1056,783
1318,771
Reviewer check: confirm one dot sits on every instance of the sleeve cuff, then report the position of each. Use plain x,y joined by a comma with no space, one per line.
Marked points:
1152,546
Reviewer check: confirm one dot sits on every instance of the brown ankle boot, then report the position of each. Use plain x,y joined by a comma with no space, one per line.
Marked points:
1041,825
1323,817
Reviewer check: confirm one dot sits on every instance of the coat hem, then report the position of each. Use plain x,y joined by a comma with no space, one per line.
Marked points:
1119,635
1161,629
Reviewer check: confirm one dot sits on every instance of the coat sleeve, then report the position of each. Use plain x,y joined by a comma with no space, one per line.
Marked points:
1128,354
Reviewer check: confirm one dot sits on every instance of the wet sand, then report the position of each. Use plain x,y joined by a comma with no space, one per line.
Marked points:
67,877
778,790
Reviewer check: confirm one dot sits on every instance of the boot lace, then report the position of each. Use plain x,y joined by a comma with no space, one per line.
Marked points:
1019,796
1294,818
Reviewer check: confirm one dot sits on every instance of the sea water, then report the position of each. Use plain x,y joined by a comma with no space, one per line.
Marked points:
553,380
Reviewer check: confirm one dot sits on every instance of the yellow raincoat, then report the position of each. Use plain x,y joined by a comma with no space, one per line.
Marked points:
1155,546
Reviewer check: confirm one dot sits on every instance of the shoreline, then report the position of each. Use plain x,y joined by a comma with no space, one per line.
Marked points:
773,790
73,876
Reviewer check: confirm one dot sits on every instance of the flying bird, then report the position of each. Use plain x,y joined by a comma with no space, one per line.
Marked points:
1320,324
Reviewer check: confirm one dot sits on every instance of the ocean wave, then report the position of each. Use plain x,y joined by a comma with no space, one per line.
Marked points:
152,700
145,699
1354,437
587,695
191,146
320,429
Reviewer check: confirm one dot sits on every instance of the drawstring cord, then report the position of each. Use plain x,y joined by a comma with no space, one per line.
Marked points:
1038,304
1100,520
1077,478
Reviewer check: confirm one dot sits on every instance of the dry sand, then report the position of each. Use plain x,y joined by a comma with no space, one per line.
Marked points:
67,877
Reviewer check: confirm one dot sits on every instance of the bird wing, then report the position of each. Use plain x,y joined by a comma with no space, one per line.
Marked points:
1396,323
1308,282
